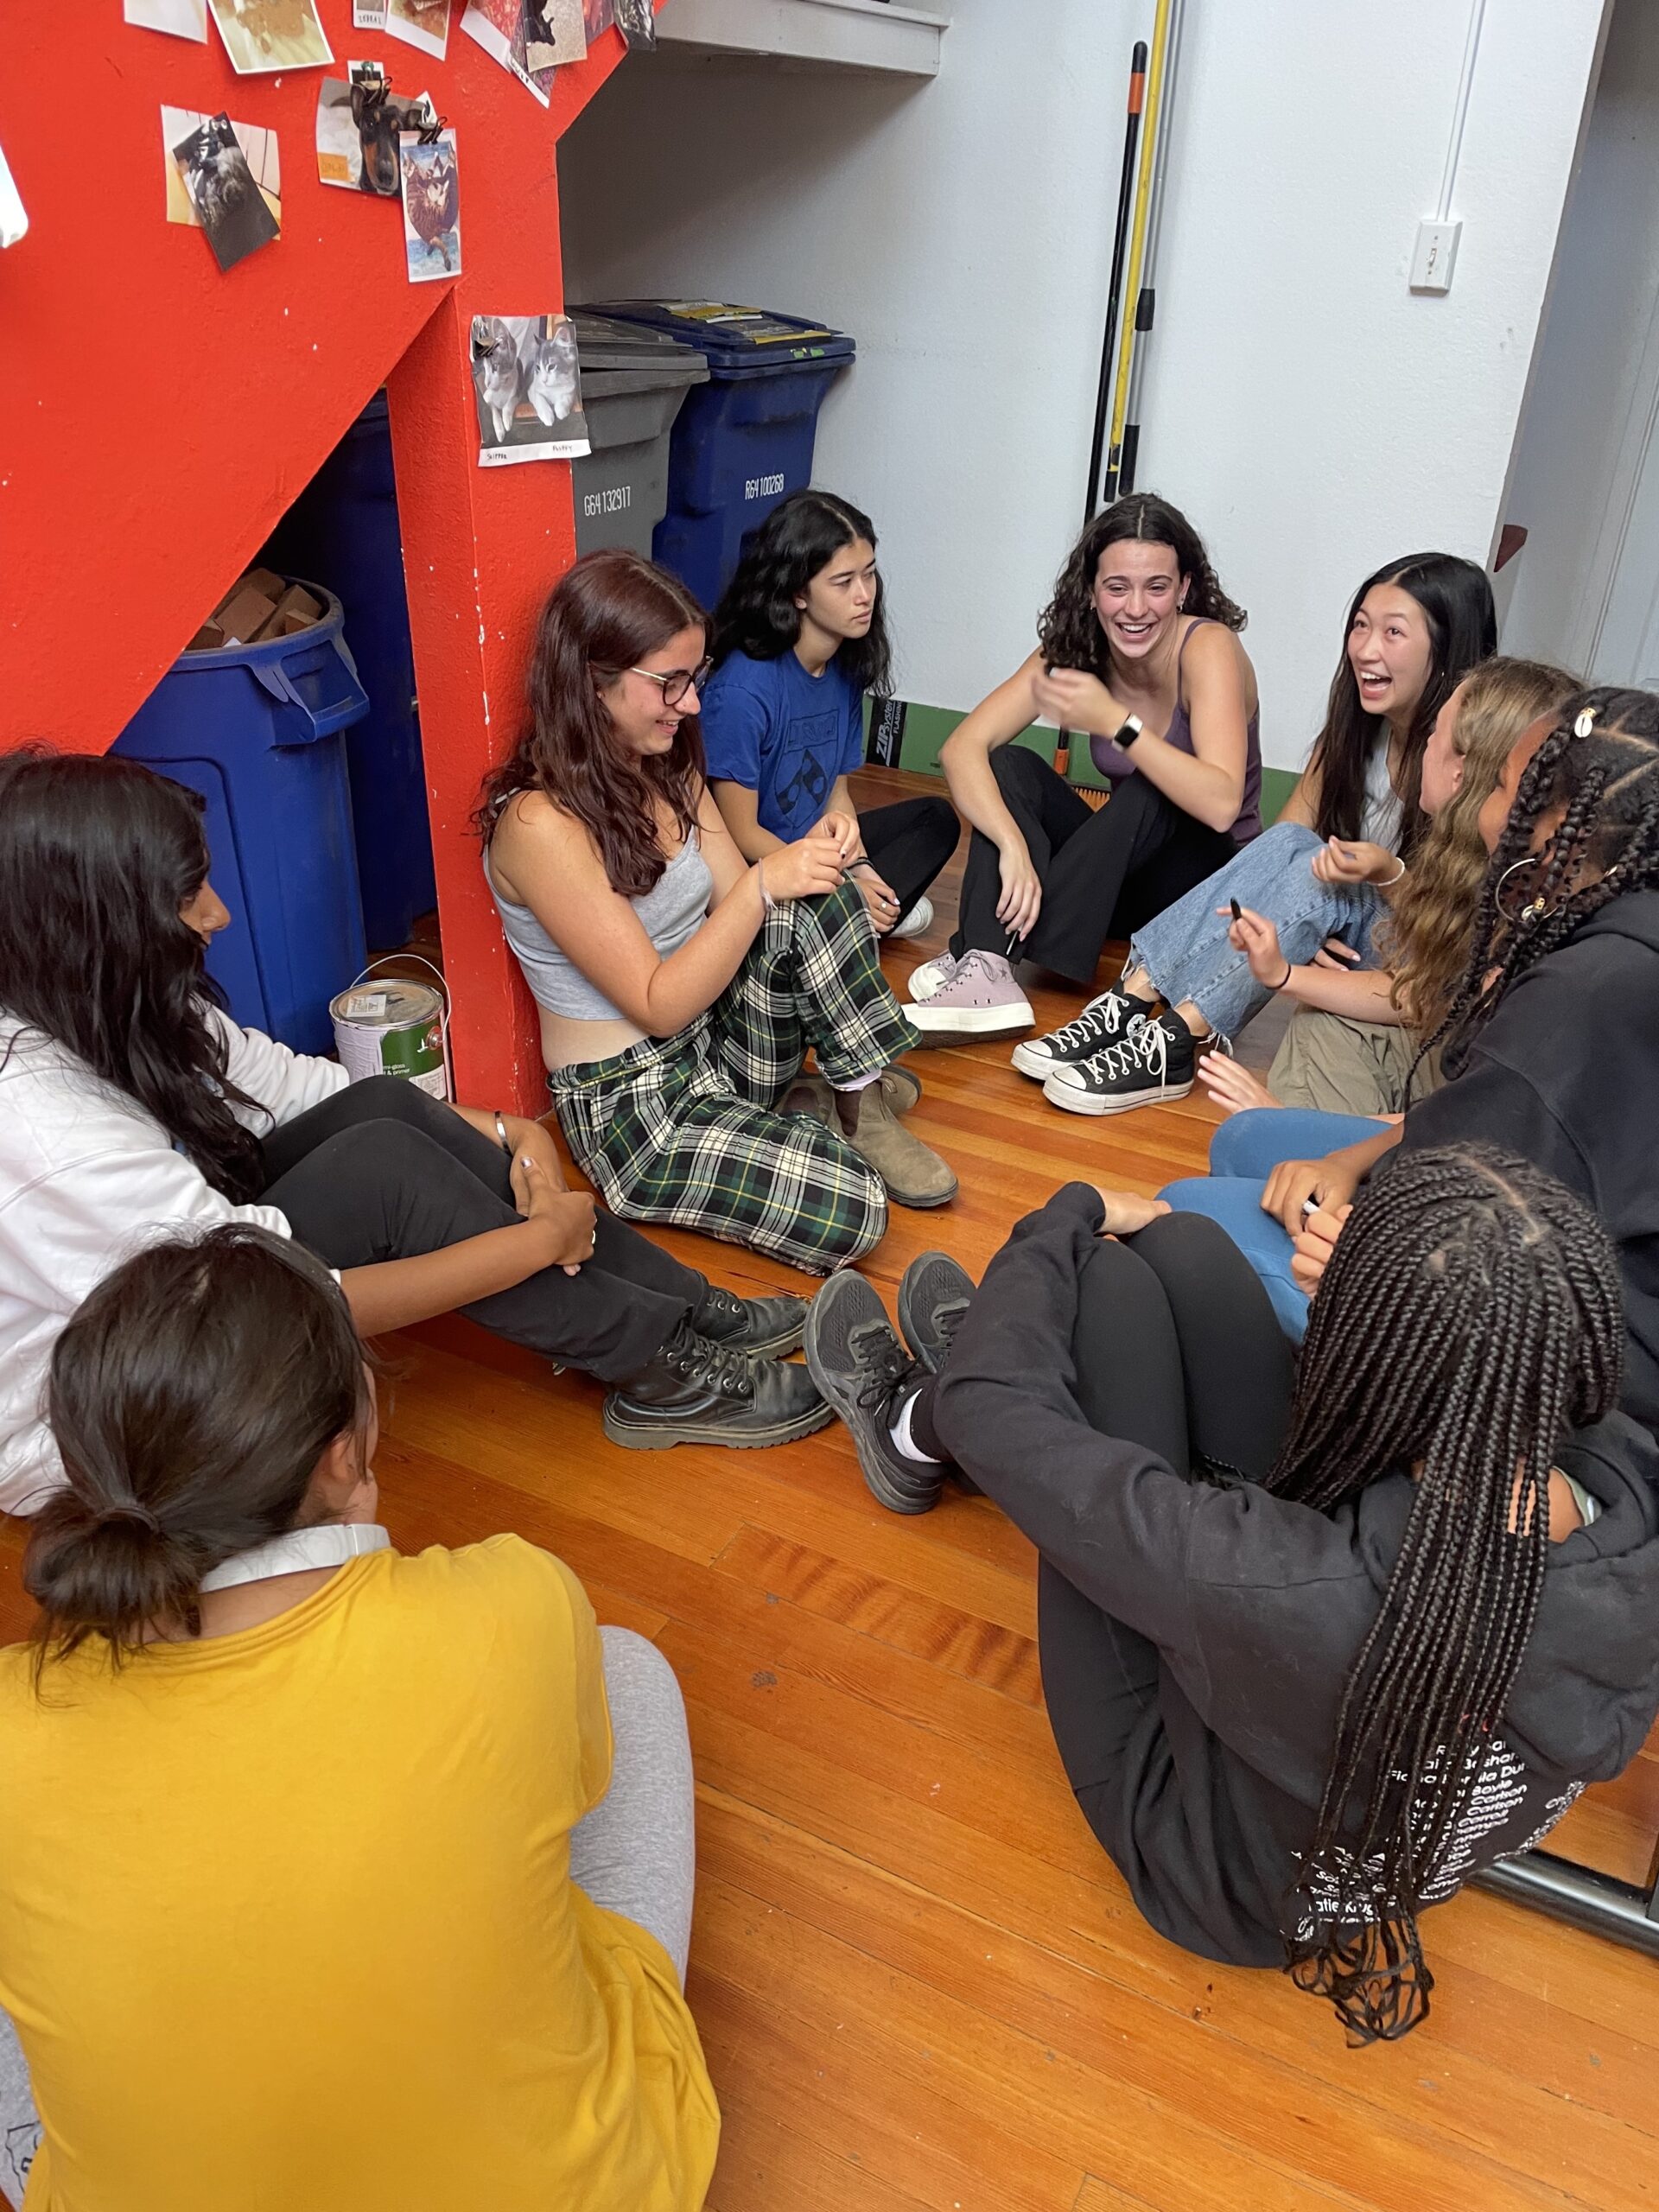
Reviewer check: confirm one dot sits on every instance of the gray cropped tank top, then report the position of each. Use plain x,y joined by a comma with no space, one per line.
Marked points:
670,914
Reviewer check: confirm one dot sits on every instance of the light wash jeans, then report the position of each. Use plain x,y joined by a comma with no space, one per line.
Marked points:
1186,951
1243,1153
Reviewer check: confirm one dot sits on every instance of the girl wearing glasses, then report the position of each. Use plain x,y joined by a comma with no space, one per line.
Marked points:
680,986
800,637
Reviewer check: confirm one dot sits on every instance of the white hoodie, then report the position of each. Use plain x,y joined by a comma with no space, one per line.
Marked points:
85,1176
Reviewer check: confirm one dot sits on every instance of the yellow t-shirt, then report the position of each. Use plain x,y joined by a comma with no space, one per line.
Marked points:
287,1924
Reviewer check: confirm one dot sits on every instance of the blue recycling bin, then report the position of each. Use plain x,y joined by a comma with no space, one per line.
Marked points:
259,731
743,440
343,529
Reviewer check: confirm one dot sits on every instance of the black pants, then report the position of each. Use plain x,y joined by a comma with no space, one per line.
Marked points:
1177,1348
1105,871
382,1171
908,843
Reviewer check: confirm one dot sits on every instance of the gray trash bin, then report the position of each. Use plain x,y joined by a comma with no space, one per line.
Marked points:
632,384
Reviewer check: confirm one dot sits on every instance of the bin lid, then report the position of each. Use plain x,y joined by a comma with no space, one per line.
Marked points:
736,340
604,343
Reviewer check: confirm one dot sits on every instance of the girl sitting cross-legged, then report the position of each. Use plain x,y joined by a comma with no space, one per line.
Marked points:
1319,1638
332,1879
1325,869
680,985
130,1104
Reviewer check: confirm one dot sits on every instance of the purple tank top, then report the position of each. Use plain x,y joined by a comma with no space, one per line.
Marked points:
1114,763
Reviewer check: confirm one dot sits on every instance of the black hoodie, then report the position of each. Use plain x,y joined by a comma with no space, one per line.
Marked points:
1567,1074
1258,1607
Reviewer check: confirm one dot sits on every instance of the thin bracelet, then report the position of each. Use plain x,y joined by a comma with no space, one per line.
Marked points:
1389,882
761,878
504,1140
1284,979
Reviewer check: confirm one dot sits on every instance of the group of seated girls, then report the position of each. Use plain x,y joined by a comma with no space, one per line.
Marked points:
335,1878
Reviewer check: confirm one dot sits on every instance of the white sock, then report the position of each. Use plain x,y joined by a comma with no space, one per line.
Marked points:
858,1082
903,1441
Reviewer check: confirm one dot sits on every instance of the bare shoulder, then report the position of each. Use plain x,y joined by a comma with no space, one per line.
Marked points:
532,832
1211,653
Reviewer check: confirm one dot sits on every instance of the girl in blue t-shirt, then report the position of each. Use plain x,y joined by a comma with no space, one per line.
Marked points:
800,636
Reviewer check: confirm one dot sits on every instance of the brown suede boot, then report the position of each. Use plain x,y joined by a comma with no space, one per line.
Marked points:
913,1175
811,1094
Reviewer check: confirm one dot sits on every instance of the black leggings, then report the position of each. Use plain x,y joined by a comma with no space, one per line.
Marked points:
1177,1348
908,843
1105,871
382,1171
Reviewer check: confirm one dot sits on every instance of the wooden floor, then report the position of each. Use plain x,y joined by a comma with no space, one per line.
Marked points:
919,1981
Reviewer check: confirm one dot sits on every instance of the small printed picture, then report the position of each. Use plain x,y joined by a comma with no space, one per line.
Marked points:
636,21
422,24
359,125
258,145
500,28
553,35
229,204
179,18
529,384
261,35
368,14
597,17
431,205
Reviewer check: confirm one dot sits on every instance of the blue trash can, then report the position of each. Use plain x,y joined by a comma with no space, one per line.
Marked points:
744,440
343,529
259,730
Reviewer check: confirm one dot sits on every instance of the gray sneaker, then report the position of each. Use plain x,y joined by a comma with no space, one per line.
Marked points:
935,1294
980,1000
858,1362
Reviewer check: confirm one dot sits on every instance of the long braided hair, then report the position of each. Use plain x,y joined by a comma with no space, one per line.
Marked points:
1470,1317
1583,831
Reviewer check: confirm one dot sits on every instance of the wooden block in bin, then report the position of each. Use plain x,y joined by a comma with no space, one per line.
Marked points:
244,614
267,580
207,639
297,609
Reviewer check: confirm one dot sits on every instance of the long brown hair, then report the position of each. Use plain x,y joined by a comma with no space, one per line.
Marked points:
190,1396
605,614
1068,632
1425,937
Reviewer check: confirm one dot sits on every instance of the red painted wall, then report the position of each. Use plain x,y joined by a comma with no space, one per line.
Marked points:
156,417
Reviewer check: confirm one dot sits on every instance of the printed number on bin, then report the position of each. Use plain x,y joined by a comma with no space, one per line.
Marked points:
763,487
610,502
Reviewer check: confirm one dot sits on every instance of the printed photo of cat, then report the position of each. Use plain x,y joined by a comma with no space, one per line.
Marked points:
527,380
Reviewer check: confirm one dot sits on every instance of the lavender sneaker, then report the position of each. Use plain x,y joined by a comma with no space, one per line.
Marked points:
980,1000
930,976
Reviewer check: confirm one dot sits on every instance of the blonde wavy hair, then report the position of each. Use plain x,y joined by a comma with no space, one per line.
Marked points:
1425,937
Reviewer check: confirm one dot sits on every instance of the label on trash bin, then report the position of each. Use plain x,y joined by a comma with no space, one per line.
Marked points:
754,325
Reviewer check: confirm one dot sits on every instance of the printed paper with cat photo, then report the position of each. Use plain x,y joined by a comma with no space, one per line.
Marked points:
259,148
529,385
231,209
553,35
179,18
422,24
261,35
431,205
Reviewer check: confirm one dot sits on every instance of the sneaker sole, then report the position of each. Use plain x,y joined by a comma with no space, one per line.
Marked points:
655,1439
919,1202
944,1022
1084,1102
845,1405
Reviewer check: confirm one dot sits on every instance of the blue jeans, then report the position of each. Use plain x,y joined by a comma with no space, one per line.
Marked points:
1243,1153
1186,951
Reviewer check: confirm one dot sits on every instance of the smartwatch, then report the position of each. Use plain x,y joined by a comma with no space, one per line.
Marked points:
1124,738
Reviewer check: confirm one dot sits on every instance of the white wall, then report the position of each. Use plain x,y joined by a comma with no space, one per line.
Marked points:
1585,422
1314,415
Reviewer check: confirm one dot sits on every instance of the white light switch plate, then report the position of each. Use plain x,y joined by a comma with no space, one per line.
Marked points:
1434,256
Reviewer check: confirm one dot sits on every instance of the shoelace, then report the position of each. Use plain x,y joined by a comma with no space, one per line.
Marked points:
1147,1045
882,1361
1102,1020
720,1367
947,1319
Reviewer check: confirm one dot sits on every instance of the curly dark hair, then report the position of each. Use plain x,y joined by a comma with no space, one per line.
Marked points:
604,612
1598,771
1069,632
1469,1318
97,855
758,615
1456,598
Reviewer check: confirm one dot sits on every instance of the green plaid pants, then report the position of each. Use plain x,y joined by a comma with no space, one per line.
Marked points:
683,1129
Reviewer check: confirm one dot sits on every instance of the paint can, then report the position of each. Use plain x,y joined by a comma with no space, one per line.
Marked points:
393,1024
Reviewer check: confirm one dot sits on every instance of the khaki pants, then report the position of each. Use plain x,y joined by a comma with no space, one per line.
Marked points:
1338,1066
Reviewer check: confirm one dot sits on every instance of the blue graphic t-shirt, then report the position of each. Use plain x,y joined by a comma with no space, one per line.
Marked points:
784,734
